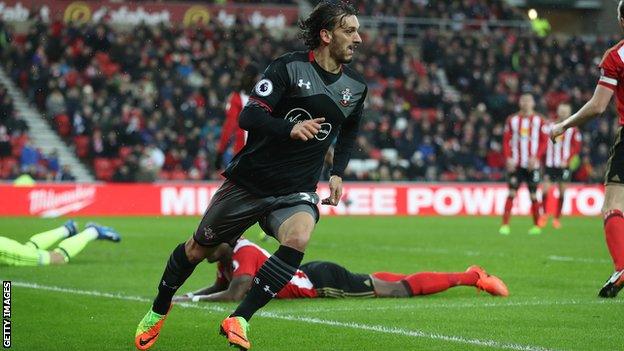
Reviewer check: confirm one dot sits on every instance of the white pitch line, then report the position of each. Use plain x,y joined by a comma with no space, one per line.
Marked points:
454,305
577,259
310,320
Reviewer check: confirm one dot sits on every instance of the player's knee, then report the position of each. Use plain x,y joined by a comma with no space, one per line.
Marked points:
297,237
195,252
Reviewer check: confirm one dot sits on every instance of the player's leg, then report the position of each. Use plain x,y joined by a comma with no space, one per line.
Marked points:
532,180
614,233
425,283
561,186
545,199
13,253
333,280
72,246
292,226
512,184
231,211
45,240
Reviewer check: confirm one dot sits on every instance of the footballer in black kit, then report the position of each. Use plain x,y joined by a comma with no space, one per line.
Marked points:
302,104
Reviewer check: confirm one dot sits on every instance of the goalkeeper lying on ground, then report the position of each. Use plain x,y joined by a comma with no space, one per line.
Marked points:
34,251
237,267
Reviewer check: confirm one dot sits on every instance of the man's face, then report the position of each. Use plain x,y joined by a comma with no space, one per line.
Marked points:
344,39
563,111
527,103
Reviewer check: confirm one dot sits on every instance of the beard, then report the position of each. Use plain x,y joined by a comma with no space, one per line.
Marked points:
341,55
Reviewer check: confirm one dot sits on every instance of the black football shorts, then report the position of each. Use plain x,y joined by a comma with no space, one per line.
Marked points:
615,164
531,178
233,210
333,280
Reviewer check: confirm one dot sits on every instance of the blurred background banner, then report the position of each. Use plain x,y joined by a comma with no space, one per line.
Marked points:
151,13
391,199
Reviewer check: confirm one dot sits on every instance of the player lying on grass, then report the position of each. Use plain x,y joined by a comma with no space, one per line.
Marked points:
34,251
236,268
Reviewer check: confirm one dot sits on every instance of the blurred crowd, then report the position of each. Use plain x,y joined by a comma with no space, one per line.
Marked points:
442,9
149,104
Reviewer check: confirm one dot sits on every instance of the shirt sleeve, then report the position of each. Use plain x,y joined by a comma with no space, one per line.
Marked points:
346,138
221,279
609,70
257,114
245,262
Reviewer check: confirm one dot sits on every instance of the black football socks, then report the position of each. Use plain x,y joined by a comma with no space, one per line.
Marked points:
274,274
178,269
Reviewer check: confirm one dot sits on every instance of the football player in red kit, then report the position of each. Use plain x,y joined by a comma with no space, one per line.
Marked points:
557,162
237,266
611,82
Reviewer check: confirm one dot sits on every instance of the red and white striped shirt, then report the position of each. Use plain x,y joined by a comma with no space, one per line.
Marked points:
569,144
230,128
525,137
612,75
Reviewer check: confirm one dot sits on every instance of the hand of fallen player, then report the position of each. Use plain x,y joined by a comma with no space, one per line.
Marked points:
306,130
556,130
335,191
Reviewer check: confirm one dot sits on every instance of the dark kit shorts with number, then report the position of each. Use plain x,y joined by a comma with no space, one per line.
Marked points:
615,165
333,280
557,174
531,178
233,210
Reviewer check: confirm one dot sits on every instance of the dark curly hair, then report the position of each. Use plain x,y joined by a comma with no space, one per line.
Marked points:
621,9
326,15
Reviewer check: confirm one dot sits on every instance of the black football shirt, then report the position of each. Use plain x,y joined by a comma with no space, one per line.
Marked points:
295,88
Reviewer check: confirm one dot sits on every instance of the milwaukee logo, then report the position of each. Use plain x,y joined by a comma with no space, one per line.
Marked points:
50,203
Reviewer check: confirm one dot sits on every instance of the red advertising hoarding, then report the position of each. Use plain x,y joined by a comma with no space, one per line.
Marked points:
151,13
400,199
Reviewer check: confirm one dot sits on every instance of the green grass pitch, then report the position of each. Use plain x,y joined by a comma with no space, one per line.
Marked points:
95,302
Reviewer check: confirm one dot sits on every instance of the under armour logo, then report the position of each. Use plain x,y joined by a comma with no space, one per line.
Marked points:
175,287
307,84
267,289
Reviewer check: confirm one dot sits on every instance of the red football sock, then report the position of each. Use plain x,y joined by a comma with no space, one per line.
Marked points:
508,206
545,198
614,232
430,283
535,206
389,276
559,206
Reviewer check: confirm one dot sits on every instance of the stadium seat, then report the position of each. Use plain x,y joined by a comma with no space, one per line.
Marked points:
82,145
63,124
104,169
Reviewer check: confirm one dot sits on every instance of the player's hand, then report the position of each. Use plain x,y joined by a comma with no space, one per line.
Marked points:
307,129
183,298
335,191
556,130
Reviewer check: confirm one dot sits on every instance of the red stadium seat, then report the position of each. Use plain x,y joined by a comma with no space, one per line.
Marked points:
178,174
124,152
81,143
63,124
18,144
104,169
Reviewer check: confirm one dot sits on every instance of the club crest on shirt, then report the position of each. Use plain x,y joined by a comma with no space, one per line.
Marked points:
346,97
264,87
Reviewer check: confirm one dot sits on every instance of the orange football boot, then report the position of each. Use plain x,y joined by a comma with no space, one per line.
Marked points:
149,328
489,283
235,330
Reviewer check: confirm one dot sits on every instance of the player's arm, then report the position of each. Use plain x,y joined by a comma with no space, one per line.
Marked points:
594,107
235,292
342,153
507,146
219,285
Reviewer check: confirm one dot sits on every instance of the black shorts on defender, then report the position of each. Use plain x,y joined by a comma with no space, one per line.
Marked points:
554,174
615,165
233,210
332,280
532,178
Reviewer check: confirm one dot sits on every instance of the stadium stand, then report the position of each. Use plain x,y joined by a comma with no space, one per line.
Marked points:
149,104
